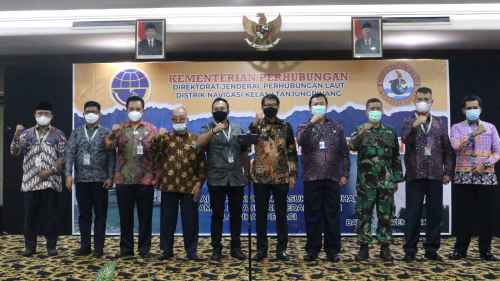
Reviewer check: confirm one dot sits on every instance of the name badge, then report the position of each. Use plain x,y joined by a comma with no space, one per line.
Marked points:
321,145
230,158
140,149
473,159
427,151
38,161
86,159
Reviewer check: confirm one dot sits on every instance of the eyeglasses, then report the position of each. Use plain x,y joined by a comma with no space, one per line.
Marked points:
179,119
267,105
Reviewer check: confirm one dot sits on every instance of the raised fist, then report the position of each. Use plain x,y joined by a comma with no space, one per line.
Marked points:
115,129
162,132
316,118
420,120
218,128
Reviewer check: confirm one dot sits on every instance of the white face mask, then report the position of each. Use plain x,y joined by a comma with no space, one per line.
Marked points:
423,107
43,121
179,127
91,118
134,116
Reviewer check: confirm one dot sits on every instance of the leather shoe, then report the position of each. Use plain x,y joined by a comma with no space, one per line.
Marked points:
120,255
363,253
281,255
238,254
433,256
385,253
29,252
52,252
98,253
82,252
216,254
165,255
310,257
192,256
457,256
145,255
488,257
260,256
409,258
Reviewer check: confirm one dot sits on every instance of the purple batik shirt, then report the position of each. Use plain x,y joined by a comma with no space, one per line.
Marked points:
320,164
440,163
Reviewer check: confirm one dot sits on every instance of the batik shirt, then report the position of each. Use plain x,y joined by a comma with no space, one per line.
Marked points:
485,147
134,168
379,160
182,165
440,163
102,160
275,157
51,153
317,163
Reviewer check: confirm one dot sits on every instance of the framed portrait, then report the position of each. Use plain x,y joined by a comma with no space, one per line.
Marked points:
366,37
149,38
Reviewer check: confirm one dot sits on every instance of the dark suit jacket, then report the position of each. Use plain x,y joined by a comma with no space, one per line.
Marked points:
360,47
144,49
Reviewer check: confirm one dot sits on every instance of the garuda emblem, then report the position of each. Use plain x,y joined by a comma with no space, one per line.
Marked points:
262,32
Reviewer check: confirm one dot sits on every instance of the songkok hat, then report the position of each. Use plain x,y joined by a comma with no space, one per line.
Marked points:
367,25
150,26
43,106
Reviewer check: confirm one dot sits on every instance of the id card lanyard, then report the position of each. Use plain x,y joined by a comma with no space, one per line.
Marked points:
230,157
473,156
427,150
86,156
38,159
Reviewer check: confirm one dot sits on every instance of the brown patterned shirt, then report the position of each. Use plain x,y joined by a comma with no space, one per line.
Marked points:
182,165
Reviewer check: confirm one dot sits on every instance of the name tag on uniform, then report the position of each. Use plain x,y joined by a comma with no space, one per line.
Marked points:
427,151
473,159
321,145
140,149
38,161
230,158
86,159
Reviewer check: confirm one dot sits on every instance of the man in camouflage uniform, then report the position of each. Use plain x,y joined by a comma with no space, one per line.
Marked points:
379,171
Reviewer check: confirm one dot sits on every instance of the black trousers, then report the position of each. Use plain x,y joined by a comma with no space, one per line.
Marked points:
322,213
262,194
128,196
92,196
40,203
168,220
482,197
416,190
235,205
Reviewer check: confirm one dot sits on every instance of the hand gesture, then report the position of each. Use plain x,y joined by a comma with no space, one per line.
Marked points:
343,181
478,169
162,132
19,130
366,127
447,179
316,118
69,183
45,174
115,129
480,129
108,184
420,120
293,182
196,192
218,128
258,118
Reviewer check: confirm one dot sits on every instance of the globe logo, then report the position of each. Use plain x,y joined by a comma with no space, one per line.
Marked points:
398,83
127,82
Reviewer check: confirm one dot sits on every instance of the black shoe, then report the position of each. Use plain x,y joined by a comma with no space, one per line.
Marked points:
165,255
433,256
409,257
192,256
385,253
457,256
82,252
98,253
145,255
237,254
260,256
363,253
488,257
52,252
216,254
310,257
333,257
28,252
120,255
281,255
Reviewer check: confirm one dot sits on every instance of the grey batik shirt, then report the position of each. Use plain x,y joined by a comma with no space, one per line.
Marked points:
219,171
102,161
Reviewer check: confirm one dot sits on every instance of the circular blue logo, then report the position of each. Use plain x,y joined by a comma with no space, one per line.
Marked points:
127,82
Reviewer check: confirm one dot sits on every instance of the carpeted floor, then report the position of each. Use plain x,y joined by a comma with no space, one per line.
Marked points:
65,266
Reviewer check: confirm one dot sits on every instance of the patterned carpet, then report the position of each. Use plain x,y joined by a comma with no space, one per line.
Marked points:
67,267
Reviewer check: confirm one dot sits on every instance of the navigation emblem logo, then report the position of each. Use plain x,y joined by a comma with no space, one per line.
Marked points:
127,82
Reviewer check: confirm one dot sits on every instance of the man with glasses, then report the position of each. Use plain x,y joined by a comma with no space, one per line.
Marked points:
43,150
94,169
274,171
183,168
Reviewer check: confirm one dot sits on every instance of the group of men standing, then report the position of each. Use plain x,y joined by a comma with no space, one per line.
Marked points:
137,158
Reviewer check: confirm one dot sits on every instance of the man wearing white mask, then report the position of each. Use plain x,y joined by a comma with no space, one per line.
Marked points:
183,169
324,149
477,146
135,176
94,169
429,161
43,150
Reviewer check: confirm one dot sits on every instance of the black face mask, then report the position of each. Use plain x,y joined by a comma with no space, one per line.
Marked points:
270,112
219,116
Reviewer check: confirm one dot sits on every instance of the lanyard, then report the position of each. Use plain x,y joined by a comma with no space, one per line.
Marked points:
422,125
470,132
42,143
228,135
468,127
87,134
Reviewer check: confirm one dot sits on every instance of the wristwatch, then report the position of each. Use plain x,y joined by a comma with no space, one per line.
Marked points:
471,137
487,164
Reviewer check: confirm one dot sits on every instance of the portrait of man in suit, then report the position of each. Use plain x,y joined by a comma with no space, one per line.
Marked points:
367,37
149,45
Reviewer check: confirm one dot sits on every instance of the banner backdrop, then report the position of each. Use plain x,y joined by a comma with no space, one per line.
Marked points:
194,86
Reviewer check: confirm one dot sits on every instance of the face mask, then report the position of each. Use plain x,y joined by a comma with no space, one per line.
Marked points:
179,127
134,116
321,109
91,118
473,114
375,116
219,116
43,121
423,107
270,112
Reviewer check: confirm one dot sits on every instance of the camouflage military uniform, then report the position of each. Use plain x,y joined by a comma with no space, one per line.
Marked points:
379,168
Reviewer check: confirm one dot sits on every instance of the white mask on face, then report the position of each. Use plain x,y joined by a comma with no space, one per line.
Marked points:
91,118
43,121
180,127
134,116
423,107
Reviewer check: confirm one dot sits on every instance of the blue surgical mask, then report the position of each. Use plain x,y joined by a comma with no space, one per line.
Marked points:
473,114
321,109
179,127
